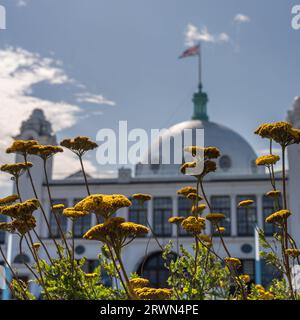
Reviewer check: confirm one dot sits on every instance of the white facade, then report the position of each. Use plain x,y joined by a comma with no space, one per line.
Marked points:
228,187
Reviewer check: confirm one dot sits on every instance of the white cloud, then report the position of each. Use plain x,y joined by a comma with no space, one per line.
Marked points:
193,35
241,18
20,71
22,3
88,97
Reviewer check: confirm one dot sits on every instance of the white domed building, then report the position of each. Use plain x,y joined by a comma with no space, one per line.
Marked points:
237,178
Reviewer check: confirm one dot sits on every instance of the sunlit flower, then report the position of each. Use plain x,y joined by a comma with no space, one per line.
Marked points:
21,146
74,214
142,198
25,224
103,205
294,253
220,229
186,190
176,220
194,197
274,194
36,246
9,200
20,210
139,282
187,165
193,224
267,160
244,278
235,262
215,217
45,151
278,216
153,294
245,203
58,207
198,209
16,169
79,145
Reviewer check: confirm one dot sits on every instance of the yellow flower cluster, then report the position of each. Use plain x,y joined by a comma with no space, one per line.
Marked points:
294,253
281,132
79,145
186,190
139,282
267,160
58,207
153,294
194,197
208,152
9,200
278,216
21,146
187,165
92,275
74,214
36,246
234,262
198,209
25,224
245,203
263,294
273,194
220,229
176,220
193,224
141,197
115,229
16,169
103,205
7,226
245,278
215,217
20,210
44,151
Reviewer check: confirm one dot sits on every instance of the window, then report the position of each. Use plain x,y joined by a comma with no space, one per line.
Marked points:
270,206
81,225
2,233
269,272
153,268
246,217
137,213
221,204
248,267
225,162
162,209
61,218
184,210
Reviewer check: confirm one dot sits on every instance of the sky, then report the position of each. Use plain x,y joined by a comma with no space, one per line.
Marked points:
92,63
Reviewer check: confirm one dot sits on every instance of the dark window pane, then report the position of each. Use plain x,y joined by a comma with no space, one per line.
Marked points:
2,233
246,216
138,213
269,206
162,211
248,267
61,218
221,204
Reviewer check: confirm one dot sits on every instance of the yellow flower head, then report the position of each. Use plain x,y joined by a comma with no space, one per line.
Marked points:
215,217
25,224
58,207
16,169
234,262
245,203
176,220
139,282
133,229
187,165
36,246
92,275
206,239
267,160
294,253
198,209
220,229
193,224
194,197
9,200
274,194
212,153
74,214
142,197
103,205
7,226
21,146
278,216
244,278
153,294
79,145
186,190
20,210
45,151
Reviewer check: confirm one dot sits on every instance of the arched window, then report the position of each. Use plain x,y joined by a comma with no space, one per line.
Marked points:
153,268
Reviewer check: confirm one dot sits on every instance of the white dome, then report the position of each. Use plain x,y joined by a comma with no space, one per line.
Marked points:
237,156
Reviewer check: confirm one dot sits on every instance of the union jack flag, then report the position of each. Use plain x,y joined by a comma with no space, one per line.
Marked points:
190,52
